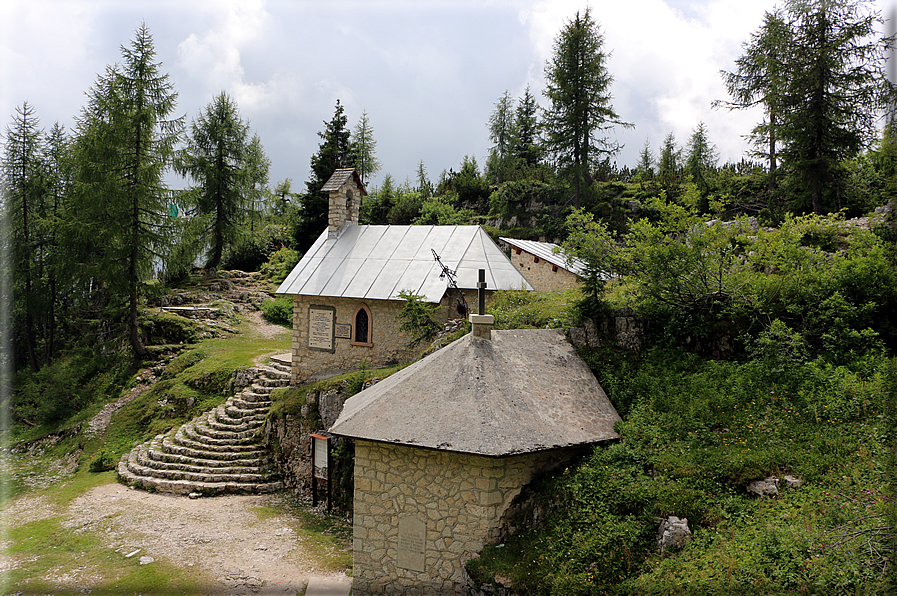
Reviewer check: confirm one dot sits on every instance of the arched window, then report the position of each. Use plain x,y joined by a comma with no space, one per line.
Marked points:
363,327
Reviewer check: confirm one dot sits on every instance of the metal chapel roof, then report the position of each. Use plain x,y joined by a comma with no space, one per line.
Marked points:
376,262
545,251
526,390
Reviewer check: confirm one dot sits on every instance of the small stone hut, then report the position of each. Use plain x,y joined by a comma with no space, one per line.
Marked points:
346,287
443,447
543,264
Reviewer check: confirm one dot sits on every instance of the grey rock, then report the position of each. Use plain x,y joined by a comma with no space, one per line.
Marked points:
768,487
673,533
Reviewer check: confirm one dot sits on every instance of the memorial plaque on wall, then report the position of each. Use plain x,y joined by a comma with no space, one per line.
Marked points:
344,331
411,552
320,328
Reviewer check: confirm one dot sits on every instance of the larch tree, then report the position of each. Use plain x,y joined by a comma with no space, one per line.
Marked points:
365,148
224,165
527,144
760,79
701,159
837,88
580,110
23,189
125,146
502,132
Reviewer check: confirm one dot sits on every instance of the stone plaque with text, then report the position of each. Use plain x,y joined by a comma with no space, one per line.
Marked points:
320,328
344,331
411,552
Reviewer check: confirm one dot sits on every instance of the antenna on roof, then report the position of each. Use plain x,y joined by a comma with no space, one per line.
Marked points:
461,303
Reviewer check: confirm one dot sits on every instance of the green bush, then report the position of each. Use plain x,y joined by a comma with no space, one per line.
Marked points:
418,318
280,264
279,310
103,461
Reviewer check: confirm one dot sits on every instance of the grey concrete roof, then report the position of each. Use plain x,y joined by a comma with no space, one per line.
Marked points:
339,177
525,390
376,262
546,252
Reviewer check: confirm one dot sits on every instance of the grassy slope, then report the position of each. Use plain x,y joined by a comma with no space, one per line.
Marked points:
194,381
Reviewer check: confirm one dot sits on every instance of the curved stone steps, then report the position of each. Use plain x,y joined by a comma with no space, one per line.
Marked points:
221,451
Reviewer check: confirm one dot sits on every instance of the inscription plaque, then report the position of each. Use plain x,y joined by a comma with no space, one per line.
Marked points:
344,331
411,552
320,328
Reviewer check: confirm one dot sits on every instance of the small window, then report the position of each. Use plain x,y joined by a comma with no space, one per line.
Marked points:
535,259
516,251
554,268
361,334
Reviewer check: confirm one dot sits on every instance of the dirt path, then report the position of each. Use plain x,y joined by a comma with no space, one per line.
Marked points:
231,544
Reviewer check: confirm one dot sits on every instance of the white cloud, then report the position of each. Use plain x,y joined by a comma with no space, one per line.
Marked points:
214,56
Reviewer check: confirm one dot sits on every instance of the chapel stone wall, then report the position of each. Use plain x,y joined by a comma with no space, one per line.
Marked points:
421,514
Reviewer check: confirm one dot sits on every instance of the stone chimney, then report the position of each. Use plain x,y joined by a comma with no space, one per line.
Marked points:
345,190
481,323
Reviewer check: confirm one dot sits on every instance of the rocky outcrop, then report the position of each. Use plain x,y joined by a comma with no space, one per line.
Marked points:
673,533
221,451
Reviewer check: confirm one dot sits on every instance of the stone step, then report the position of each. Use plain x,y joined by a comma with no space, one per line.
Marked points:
220,451
144,459
201,432
185,487
157,453
182,445
241,402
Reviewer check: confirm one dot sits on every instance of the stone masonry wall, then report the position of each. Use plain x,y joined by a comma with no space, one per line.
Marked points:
389,343
421,514
541,274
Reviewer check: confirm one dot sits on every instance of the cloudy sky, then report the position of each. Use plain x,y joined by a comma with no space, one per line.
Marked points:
428,72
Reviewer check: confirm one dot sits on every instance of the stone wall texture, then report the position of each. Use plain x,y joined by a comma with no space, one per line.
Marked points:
543,276
389,343
459,499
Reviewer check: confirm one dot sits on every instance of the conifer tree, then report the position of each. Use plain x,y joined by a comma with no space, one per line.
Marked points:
226,165
125,145
502,132
580,111
527,144
365,147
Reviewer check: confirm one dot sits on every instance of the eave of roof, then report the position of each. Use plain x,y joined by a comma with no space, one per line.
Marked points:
523,391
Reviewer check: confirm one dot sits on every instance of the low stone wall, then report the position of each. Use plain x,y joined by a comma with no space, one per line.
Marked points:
421,514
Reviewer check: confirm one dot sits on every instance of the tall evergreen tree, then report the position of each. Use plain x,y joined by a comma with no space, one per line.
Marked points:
365,148
837,87
669,167
424,186
335,151
760,78
645,166
23,187
502,132
580,110
125,145
702,159
220,161
527,144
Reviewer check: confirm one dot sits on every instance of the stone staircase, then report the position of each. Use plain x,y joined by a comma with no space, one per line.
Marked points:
221,451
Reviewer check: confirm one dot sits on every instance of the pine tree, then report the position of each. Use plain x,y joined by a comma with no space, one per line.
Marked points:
365,147
334,152
502,132
580,110
23,187
760,79
527,144
668,166
125,146
224,164
701,160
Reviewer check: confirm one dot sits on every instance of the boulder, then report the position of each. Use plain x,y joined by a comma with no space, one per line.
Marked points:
673,533
768,487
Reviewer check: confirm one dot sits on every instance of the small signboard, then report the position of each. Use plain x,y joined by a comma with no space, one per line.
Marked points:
322,468
344,331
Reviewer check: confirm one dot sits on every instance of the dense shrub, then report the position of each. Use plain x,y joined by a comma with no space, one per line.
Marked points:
279,310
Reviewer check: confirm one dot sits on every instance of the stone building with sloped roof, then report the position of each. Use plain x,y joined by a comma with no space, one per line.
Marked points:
543,264
443,448
346,287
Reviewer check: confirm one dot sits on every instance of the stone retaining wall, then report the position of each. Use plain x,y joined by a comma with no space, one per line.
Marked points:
421,514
